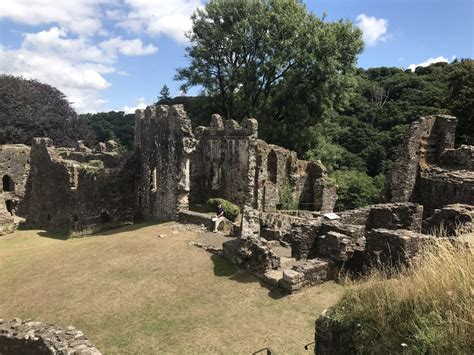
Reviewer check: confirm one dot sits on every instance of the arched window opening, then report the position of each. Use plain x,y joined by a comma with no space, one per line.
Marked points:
8,183
272,167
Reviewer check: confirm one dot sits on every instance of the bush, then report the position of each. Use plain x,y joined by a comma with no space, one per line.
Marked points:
231,211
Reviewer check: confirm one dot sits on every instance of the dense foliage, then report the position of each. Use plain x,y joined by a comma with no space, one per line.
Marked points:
30,109
114,125
273,60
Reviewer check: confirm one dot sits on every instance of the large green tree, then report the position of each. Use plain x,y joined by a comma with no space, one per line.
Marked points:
272,60
30,109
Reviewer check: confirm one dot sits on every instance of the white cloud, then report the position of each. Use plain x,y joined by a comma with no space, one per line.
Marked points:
76,66
131,47
430,61
140,106
164,17
77,47
373,29
79,16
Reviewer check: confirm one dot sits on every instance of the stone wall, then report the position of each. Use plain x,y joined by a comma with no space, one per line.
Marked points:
232,163
222,163
29,337
429,170
72,198
277,168
14,170
164,142
295,249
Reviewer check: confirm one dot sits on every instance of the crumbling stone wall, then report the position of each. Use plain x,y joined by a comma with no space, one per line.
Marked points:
277,168
231,162
29,337
14,170
429,170
164,142
221,165
295,249
68,197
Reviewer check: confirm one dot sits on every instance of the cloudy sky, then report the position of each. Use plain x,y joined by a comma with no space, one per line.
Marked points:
117,54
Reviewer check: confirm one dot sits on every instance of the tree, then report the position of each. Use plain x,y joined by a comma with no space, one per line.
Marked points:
356,189
460,99
112,125
164,94
30,109
272,60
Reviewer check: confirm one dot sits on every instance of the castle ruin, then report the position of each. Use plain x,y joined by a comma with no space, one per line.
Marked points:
77,191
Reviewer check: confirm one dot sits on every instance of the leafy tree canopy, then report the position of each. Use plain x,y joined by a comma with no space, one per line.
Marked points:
114,125
273,60
30,109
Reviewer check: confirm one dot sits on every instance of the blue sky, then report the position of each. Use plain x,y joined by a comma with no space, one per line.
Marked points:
116,55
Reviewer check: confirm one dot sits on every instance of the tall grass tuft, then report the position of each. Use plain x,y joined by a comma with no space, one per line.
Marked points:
425,308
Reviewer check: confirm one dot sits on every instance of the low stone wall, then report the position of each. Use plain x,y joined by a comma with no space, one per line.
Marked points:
28,337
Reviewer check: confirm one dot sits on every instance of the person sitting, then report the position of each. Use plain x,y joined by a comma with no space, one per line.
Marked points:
218,218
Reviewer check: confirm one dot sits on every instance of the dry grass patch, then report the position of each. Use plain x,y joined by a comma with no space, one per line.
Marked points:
426,309
132,292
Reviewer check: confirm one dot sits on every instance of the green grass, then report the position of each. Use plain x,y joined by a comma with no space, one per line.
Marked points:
132,292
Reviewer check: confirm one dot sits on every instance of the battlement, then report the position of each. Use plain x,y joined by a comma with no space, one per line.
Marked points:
228,128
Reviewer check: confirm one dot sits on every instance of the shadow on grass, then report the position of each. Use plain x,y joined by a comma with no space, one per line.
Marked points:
224,268
51,235
111,230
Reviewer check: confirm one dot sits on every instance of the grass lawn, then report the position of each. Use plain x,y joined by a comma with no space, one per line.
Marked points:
130,292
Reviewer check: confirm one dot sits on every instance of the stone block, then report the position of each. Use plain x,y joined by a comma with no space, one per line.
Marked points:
396,216
335,245
450,220
394,247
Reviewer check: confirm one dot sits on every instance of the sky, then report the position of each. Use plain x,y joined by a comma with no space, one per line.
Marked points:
117,54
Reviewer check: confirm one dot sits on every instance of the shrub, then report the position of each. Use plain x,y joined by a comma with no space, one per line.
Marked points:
286,200
231,211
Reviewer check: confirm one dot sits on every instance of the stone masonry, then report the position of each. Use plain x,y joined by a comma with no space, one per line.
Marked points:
231,162
72,198
29,337
14,170
164,142
429,170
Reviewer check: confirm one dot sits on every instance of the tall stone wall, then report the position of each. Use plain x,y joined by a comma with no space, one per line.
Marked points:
231,162
223,162
164,142
14,170
278,168
429,170
68,197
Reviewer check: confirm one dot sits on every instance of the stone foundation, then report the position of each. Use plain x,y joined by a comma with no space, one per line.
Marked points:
28,337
